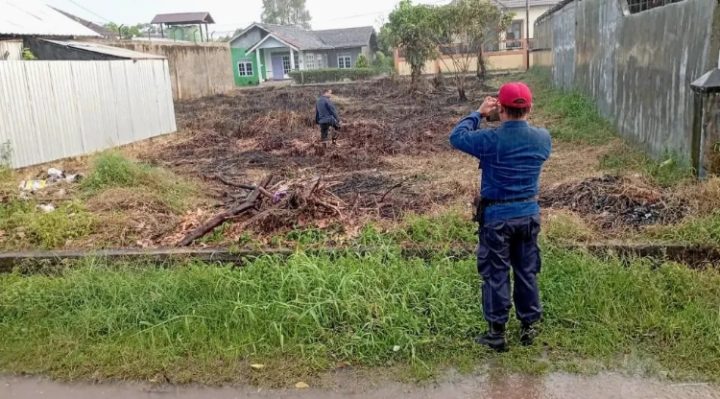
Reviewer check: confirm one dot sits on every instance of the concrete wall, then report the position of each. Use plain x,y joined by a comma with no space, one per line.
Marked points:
196,70
637,67
494,61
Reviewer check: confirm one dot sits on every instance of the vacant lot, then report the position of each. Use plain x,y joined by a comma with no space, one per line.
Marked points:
392,182
392,162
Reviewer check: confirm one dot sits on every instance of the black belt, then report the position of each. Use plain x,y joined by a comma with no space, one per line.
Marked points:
486,203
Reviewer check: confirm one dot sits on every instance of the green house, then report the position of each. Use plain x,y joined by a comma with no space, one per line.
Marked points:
265,52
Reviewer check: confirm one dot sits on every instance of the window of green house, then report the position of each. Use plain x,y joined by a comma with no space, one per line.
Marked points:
344,62
245,68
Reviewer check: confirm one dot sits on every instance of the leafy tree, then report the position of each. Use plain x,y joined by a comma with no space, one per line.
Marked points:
413,29
362,62
463,28
286,12
130,31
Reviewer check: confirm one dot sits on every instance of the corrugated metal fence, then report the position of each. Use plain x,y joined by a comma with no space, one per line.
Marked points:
11,50
56,109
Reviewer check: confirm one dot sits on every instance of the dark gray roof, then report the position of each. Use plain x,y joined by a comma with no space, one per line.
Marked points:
304,39
350,37
184,18
99,29
297,36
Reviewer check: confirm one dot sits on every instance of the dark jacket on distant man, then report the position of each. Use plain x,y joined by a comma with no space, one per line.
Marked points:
325,112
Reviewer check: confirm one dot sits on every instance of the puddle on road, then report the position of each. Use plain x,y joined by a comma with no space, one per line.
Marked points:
554,386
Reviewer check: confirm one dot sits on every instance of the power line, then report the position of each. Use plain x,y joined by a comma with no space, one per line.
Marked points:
89,10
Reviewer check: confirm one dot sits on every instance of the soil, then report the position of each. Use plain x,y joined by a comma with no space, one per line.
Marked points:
614,202
555,386
392,157
378,169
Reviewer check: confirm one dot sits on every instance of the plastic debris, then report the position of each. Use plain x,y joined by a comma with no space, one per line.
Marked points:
47,208
302,385
54,176
32,185
257,366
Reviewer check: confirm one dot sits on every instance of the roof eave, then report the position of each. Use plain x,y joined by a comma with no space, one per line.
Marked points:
248,29
271,35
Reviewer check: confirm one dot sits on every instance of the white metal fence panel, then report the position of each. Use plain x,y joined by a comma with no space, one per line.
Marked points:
11,50
56,109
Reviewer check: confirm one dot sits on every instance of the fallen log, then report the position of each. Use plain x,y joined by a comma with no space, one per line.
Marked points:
221,217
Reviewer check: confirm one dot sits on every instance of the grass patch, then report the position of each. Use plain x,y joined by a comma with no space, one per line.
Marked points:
29,227
561,227
451,228
671,171
206,324
569,115
701,230
112,170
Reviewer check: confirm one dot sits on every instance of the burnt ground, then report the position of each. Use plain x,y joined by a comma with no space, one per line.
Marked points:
393,157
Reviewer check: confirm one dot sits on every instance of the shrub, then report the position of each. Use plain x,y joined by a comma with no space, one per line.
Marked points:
332,75
362,62
112,170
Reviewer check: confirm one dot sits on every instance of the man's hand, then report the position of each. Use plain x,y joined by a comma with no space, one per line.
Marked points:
488,106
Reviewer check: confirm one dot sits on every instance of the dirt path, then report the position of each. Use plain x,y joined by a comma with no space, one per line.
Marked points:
555,386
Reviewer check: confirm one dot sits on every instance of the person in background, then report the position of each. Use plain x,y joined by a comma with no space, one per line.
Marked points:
327,117
511,158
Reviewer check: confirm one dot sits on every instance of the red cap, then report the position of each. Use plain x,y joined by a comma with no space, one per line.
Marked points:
515,95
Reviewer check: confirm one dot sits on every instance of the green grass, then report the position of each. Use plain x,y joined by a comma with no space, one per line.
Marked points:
569,115
700,230
305,314
668,172
29,227
113,170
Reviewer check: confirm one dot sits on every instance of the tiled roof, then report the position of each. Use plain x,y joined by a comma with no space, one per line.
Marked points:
184,18
350,37
304,39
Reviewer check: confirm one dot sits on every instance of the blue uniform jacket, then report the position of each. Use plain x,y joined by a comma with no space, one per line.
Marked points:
325,112
511,157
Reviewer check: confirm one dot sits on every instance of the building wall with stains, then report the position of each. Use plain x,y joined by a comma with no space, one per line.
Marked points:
637,67
196,70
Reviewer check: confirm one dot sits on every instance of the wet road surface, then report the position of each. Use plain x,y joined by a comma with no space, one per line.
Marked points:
554,386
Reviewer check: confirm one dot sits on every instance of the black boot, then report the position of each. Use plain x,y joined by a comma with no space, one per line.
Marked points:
528,333
494,338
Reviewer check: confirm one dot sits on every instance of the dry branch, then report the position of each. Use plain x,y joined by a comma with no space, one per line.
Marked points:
220,218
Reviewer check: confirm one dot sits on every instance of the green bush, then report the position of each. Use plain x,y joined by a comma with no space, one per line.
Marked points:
332,75
112,170
383,62
362,62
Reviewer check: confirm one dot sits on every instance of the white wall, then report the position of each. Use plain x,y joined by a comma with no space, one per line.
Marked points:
57,109
535,13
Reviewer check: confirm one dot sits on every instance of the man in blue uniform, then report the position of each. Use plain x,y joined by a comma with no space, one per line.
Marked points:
511,157
326,116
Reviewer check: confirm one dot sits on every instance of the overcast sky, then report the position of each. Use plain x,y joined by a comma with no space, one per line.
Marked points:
231,14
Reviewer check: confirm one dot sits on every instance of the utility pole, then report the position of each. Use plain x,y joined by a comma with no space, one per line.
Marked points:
527,33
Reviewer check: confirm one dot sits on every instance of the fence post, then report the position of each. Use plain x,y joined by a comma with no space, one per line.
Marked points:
706,124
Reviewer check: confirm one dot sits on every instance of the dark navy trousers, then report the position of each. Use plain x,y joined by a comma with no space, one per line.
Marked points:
505,246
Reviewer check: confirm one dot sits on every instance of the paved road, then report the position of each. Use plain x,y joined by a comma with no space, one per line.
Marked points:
555,386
